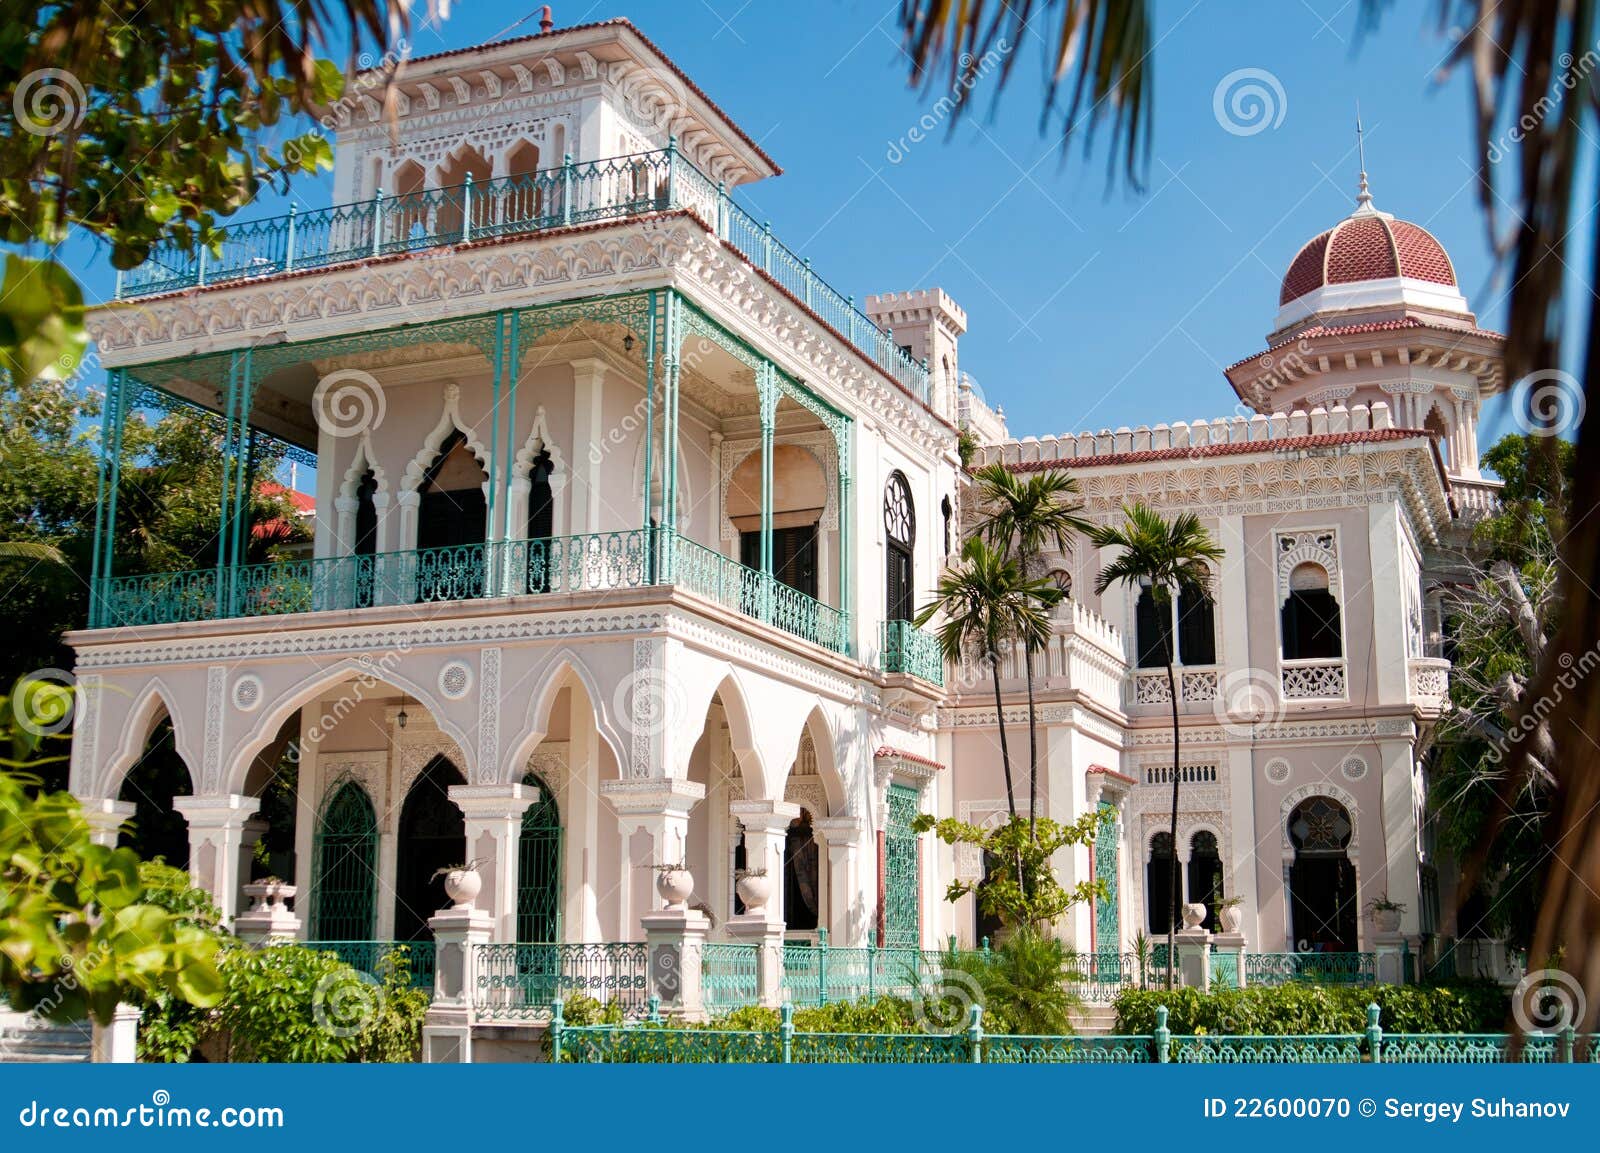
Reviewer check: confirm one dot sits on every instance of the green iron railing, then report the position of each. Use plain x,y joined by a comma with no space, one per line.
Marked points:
370,957
615,189
592,562
520,982
760,595
1312,968
819,974
1097,978
729,976
903,648
654,1042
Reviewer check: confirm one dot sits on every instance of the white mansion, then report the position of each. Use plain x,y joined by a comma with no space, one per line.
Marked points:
621,512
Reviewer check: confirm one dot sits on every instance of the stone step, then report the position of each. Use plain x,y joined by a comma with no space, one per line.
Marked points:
23,1039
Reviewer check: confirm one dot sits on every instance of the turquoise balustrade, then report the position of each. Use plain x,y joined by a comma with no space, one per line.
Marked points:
728,976
818,974
904,648
614,189
373,957
593,562
1310,968
522,981
656,1042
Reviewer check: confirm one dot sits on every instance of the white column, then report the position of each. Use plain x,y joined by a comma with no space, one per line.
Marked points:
588,429
659,808
1401,842
106,818
493,828
581,818
845,839
217,845
766,829
1389,626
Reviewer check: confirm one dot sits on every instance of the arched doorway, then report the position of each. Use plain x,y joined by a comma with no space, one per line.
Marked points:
1158,885
541,522
539,868
1322,881
452,513
344,854
801,875
157,829
1205,875
432,836
365,546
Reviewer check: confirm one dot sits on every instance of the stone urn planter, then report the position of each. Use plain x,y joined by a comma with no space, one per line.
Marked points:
1386,920
1228,918
675,884
462,885
269,894
1194,915
755,890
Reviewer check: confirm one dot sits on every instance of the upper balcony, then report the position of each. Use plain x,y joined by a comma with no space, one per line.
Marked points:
622,188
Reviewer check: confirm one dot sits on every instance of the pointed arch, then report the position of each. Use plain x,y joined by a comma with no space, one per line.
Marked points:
820,730
372,675
539,441
149,708
449,421
563,664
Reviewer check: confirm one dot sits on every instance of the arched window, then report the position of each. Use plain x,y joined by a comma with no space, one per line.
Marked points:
453,512
432,836
1311,616
801,875
1322,883
1158,884
539,868
344,854
900,532
1151,630
1197,628
541,522
1205,875
1062,579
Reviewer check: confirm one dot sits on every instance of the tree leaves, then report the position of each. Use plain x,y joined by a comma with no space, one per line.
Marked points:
42,336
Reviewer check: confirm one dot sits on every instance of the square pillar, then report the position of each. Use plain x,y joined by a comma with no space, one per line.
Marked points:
846,839
218,844
268,920
659,808
766,832
493,830
447,1028
106,818
1194,949
117,1042
1391,948
675,939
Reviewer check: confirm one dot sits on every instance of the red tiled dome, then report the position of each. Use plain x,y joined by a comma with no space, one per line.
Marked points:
1366,246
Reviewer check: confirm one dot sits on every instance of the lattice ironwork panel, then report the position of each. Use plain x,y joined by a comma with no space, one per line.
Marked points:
901,914
1107,922
345,852
539,868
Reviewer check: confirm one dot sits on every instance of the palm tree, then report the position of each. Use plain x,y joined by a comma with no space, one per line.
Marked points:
1521,57
1165,557
1029,513
28,550
987,602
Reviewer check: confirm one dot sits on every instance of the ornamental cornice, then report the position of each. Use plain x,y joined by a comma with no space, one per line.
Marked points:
766,659
977,717
314,642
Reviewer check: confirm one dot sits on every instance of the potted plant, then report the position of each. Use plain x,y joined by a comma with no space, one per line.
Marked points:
754,888
462,883
1228,914
675,883
1385,913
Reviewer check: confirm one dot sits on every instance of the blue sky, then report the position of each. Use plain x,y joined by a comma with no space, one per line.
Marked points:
1086,309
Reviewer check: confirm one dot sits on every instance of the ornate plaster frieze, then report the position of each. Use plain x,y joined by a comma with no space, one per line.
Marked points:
311,641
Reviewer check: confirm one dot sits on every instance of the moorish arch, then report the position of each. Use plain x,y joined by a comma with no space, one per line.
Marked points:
149,709
564,669
373,679
419,470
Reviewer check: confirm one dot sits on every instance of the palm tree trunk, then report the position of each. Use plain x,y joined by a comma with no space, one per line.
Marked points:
1172,882
1033,745
1000,722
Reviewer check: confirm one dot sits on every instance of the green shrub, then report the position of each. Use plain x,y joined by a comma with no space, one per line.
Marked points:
1462,1007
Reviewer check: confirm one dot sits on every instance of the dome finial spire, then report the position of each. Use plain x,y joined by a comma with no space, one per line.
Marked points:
1363,193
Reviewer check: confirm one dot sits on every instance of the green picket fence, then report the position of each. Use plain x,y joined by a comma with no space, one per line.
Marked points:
654,1042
